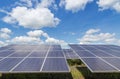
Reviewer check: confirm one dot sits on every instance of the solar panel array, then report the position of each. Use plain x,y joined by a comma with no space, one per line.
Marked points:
32,58
99,58
51,58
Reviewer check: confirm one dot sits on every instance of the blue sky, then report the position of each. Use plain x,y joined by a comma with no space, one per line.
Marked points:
59,21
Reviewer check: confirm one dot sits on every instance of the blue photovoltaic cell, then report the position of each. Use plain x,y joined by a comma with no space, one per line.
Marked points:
69,54
115,53
5,53
55,65
55,54
76,47
8,63
101,47
114,61
101,53
43,47
55,47
20,53
38,53
84,54
23,47
117,48
88,47
97,65
30,64
4,48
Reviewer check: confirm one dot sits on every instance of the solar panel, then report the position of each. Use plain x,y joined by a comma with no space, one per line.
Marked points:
29,64
114,61
55,47
84,54
8,63
55,65
5,53
38,53
99,58
20,53
70,54
55,53
98,65
32,58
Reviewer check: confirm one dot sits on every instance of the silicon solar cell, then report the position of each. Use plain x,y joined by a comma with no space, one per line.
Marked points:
84,54
8,63
116,48
20,53
55,47
38,54
114,61
5,53
29,64
101,53
97,65
70,54
55,53
43,47
114,53
76,47
88,47
55,65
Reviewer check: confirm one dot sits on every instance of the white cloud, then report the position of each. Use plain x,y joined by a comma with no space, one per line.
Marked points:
34,37
74,5
2,43
54,41
27,3
37,33
46,3
4,36
5,30
32,18
92,31
94,36
5,33
109,4
26,40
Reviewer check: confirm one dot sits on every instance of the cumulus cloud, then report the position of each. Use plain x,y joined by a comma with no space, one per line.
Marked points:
94,36
37,33
5,30
26,40
2,43
28,16
32,18
35,37
74,5
5,33
109,4
51,40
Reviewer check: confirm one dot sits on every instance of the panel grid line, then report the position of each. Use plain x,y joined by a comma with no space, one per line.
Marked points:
65,60
45,58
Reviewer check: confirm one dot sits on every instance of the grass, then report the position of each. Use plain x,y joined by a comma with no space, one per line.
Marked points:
75,73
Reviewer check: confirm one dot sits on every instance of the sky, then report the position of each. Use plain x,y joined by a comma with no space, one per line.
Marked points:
59,22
